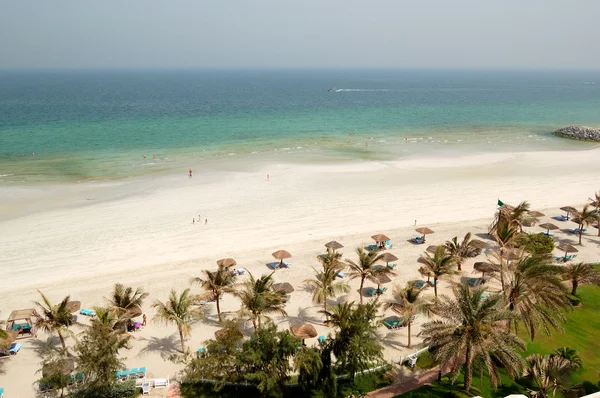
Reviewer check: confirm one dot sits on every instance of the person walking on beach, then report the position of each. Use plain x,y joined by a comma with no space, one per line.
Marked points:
144,320
206,221
268,178
193,221
190,173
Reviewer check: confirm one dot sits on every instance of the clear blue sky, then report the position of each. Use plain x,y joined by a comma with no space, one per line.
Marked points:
300,33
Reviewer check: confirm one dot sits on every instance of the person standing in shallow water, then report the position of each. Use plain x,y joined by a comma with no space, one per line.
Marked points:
190,173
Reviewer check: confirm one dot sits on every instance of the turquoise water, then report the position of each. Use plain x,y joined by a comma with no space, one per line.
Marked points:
97,125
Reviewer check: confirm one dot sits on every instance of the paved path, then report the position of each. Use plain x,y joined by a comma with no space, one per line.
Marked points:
403,385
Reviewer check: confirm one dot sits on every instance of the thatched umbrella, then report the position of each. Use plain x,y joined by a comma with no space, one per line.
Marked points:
74,306
567,248
281,255
484,267
548,226
569,209
535,214
424,231
333,245
381,279
380,239
67,366
425,272
133,312
233,333
432,248
387,257
511,255
283,287
306,331
226,262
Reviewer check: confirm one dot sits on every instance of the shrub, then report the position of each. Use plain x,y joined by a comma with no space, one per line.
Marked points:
125,389
535,243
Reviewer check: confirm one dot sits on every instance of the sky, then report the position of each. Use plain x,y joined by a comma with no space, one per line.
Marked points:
300,34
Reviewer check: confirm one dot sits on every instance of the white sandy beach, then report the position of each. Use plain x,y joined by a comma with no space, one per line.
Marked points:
81,239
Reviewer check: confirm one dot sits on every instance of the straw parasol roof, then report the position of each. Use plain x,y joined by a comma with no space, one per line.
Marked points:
387,257
281,254
306,331
478,244
576,220
424,230
382,278
226,262
21,314
283,287
133,312
432,248
74,306
484,267
536,214
333,245
380,238
511,255
232,332
567,248
569,209
549,226
67,366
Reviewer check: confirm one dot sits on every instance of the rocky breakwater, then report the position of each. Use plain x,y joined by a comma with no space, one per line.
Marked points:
582,133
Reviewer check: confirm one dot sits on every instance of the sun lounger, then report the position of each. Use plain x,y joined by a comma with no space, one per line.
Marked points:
322,339
161,383
392,266
388,244
133,373
381,290
420,284
1,392
393,322
273,265
419,240
576,231
370,291
285,264
547,233
14,348
474,282
85,312
372,247
341,275
146,388
561,218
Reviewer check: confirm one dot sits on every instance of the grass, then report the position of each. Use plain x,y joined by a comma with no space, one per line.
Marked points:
582,333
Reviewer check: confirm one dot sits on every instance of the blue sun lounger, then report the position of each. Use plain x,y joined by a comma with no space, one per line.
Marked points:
576,231
418,240
420,284
14,348
85,312
561,218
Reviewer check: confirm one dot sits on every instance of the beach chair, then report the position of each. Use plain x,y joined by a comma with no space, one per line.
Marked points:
393,322
370,291
273,266
141,372
419,240
133,374
420,284
392,266
124,375
372,247
161,383
388,244
381,290
547,233
1,392
87,312
322,339
473,282
146,388
285,264
14,348
561,218
341,275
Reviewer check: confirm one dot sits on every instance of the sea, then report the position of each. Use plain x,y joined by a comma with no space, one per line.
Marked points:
78,126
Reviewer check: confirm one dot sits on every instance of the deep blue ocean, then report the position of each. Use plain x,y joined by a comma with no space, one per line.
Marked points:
98,125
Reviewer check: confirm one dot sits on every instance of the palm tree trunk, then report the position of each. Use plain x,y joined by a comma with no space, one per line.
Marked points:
408,326
62,339
362,282
254,322
458,263
580,232
181,339
325,302
468,368
575,285
435,286
218,306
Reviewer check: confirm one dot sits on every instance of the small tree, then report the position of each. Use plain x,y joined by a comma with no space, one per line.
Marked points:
364,269
324,285
215,285
584,218
55,318
571,355
536,244
98,351
56,366
259,299
125,302
408,303
438,265
180,311
460,251
579,274
550,374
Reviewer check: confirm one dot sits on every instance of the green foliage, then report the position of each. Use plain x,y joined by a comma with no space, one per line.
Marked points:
124,389
536,244
574,300
259,299
54,318
180,311
426,361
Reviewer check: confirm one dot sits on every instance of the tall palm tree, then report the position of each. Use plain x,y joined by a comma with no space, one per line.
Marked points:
466,334
216,284
549,373
408,303
579,274
518,214
179,310
506,237
54,318
460,251
535,292
125,302
339,314
3,333
258,298
438,265
585,217
364,268
331,259
325,285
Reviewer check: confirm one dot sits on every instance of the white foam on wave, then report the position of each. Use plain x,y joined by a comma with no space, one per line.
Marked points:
6,175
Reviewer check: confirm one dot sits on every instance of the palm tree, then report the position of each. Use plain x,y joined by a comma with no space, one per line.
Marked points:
180,311
438,265
518,214
331,259
579,274
571,355
3,333
216,284
534,291
54,318
549,373
466,334
364,268
406,302
125,302
596,204
339,314
325,285
258,298
506,236
460,251
585,217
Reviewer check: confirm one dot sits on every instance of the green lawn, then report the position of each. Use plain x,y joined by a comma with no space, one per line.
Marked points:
582,333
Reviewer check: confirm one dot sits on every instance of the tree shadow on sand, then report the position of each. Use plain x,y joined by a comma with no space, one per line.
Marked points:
165,346
42,347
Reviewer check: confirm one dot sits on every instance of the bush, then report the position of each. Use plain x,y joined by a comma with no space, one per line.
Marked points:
124,389
535,243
